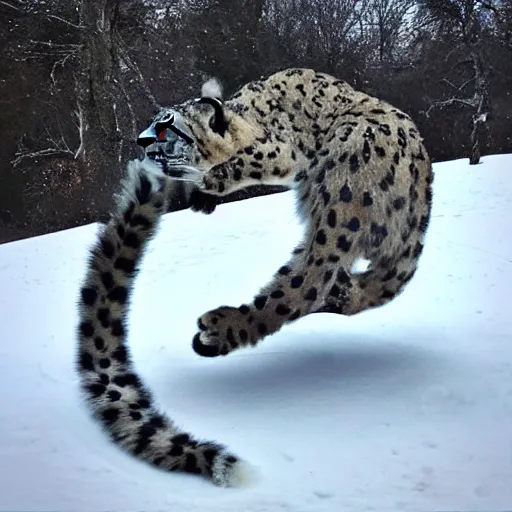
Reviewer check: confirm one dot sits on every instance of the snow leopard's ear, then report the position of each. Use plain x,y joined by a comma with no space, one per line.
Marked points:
218,122
212,88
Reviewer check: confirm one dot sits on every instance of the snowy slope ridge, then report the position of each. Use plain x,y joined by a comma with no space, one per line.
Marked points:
109,381
404,408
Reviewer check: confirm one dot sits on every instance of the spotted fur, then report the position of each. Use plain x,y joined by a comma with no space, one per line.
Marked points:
113,390
363,181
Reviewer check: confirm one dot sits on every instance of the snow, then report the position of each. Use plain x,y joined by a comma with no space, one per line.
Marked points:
407,407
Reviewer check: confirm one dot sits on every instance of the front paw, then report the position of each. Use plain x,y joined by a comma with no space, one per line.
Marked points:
199,201
222,330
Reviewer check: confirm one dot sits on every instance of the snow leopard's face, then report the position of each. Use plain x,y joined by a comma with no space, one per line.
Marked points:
166,140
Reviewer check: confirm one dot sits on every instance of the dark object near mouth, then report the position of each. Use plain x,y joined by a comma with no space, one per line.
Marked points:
169,162
156,156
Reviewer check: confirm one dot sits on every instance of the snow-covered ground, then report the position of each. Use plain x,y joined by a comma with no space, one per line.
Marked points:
408,407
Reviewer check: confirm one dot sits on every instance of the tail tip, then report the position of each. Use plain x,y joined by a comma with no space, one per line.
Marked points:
236,474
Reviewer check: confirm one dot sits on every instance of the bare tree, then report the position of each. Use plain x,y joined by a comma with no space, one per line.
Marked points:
98,98
313,33
332,26
224,42
42,44
106,96
389,23
468,22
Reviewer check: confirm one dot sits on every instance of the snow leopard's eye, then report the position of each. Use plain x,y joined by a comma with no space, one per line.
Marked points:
163,125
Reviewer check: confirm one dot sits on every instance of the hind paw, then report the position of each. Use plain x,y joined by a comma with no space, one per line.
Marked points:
221,331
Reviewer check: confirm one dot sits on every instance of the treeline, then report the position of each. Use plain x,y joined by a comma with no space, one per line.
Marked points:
80,78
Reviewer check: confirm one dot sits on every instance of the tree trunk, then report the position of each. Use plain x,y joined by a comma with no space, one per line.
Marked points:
474,158
482,101
98,104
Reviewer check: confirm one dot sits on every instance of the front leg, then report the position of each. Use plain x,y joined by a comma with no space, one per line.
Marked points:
266,162
291,294
235,174
227,328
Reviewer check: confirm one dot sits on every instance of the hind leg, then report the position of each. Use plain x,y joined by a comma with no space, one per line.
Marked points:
390,277
385,280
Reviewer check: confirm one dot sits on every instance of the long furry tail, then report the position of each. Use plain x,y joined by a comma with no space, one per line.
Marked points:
113,390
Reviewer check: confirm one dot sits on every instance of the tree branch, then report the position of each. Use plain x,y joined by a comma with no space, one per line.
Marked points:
62,20
460,88
21,155
130,108
81,129
60,62
467,102
11,6
123,53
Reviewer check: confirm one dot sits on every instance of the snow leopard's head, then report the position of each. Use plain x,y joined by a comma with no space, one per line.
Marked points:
166,140
198,133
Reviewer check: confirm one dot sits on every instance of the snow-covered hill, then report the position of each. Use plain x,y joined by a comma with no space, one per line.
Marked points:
408,407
